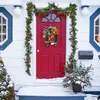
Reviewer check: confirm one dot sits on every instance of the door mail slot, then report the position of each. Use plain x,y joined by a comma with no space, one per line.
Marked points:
85,54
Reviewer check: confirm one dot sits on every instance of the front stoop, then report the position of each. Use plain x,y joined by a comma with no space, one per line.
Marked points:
48,93
51,97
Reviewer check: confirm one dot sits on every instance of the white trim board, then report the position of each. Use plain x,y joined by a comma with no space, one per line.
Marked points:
11,2
33,69
90,2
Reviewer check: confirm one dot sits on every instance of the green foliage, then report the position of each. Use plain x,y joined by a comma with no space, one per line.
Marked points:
50,7
73,33
80,75
6,85
74,73
28,38
71,11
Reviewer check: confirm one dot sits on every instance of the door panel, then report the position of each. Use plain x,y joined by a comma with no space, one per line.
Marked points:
50,60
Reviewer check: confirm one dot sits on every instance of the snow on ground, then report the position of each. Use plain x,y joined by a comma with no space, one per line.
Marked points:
91,97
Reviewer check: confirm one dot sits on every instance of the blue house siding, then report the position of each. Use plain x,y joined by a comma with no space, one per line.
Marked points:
93,16
93,92
51,97
10,26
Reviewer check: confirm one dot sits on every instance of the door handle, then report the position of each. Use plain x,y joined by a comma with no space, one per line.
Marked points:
38,50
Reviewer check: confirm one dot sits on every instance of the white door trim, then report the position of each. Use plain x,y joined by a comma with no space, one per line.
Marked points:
33,60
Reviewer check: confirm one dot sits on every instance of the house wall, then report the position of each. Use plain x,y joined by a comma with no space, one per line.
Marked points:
83,35
13,55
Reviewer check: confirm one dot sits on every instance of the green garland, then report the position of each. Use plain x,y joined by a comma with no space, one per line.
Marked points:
28,38
73,38
71,11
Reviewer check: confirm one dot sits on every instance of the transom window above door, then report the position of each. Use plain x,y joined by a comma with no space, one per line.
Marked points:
51,17
3,28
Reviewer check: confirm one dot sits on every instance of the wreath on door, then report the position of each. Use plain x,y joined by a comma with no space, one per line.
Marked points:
49,33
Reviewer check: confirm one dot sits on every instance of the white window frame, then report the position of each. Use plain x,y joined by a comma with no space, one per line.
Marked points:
2,15
99,28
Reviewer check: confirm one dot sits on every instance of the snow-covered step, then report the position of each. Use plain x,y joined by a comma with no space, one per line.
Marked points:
48,92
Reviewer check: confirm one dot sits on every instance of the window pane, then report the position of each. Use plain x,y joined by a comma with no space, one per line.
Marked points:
53,16
44,20
96,30
0,28
4,37
4,21
97,22
4,28
97,38
0,19
48,17
0,37
57,19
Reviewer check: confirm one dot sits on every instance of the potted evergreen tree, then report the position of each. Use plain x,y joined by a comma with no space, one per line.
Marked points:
77,77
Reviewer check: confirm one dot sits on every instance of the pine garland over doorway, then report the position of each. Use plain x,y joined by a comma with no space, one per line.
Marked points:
70,11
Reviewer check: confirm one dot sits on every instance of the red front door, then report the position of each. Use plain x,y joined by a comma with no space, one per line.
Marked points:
50,60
